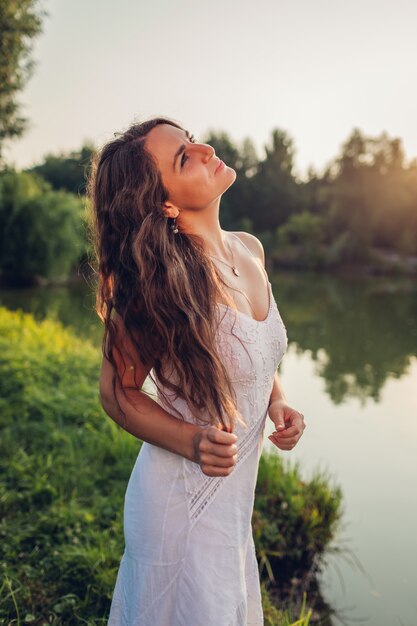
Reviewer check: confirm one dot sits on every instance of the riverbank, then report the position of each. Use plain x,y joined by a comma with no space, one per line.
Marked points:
65,470
376,262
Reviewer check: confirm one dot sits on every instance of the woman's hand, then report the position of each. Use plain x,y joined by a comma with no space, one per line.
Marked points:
215,451
289,425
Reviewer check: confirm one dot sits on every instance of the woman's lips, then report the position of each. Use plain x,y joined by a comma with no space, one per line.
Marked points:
220,166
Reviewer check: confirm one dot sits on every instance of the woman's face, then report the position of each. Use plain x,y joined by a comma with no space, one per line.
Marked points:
189,170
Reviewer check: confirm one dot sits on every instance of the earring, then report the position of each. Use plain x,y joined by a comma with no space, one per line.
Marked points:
174,227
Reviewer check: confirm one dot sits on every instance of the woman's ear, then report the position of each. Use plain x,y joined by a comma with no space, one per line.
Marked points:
170,210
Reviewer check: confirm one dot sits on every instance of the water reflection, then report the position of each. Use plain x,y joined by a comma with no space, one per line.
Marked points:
359,332
73,305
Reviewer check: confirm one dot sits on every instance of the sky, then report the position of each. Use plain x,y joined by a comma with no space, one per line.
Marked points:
314,68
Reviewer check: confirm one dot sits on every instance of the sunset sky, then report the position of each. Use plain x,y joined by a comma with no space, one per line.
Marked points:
315,68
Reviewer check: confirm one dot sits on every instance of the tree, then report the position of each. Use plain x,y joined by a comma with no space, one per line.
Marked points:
41,230
371,200
66,171
277,193
20,22
236,205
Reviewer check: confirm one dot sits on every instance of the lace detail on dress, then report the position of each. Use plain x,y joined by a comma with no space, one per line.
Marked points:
205,494
251,351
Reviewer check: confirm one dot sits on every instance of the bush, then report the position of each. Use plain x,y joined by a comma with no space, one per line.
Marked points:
298,242
42,230
293,522
301,229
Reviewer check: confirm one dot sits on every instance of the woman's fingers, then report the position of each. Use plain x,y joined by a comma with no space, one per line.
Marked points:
216,435
292,431
211,470
281,445
217,452
218,461
218,443
214,464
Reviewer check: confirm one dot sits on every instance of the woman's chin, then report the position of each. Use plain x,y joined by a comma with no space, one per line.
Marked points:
230,177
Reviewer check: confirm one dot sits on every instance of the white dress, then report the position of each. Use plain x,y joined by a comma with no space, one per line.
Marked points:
189,555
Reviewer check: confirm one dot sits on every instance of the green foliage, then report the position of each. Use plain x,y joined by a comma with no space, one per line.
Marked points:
298,241
371,196
20,22
67,171
65,468
41,230
361,207
276,617
238,202
265,191
365,198
302,228
293,522
278,195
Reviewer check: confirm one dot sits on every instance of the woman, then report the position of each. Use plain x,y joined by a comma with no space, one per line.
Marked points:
190,305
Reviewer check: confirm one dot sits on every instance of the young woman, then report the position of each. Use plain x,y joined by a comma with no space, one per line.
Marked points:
190,305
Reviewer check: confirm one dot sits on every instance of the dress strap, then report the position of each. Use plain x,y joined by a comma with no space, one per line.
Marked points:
251,253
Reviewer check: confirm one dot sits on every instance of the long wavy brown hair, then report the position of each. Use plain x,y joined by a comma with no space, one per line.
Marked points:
163,285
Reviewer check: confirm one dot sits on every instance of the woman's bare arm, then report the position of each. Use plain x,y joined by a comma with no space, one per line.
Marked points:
277,392
144,418
214,450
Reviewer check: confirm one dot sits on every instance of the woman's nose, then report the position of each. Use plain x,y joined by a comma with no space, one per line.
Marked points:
207,151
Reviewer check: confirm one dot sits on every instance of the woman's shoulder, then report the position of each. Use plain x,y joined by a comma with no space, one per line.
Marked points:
252,243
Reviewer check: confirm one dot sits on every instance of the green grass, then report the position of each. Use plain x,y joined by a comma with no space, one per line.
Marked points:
64,471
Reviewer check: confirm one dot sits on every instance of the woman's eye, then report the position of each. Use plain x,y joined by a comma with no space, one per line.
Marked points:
184,157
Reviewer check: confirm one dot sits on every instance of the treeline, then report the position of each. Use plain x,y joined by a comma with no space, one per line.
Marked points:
365,200
359,210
